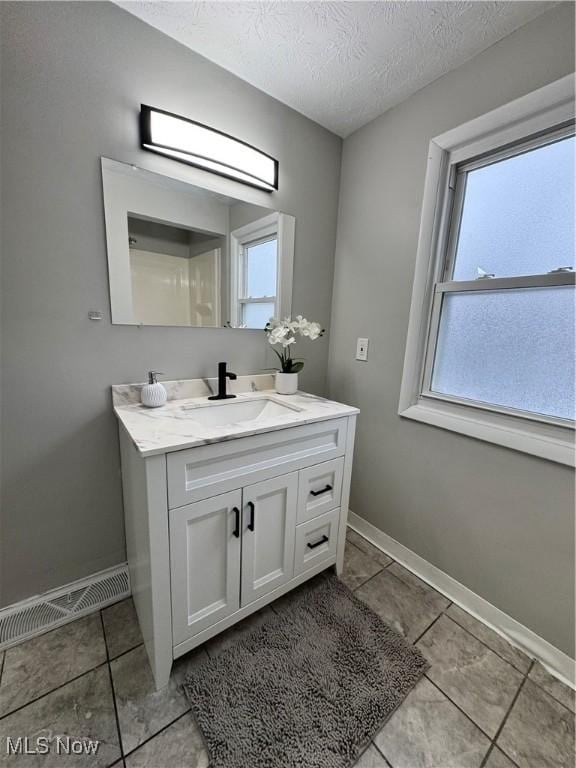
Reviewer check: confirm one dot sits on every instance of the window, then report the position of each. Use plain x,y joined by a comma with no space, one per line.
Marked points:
493,354
504,317
261,261
258,281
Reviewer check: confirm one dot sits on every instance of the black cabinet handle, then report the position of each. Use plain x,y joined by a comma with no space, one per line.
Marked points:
236,531
251,507
322,490
323,540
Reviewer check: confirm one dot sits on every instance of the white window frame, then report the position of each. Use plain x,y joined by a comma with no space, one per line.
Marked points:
513,124
282,226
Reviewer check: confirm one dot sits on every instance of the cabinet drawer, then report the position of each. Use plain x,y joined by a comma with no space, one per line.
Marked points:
198,473
319,489
316,541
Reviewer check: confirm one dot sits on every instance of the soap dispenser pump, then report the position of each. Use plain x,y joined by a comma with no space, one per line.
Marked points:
153,394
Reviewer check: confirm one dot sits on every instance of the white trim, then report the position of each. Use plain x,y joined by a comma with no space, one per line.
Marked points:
553,104
535,112
284,226
518,635
542,440
66,614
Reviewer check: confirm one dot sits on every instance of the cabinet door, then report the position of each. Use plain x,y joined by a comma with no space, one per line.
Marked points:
205,563
268,533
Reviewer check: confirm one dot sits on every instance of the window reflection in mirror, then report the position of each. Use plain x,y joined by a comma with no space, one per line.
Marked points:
260,267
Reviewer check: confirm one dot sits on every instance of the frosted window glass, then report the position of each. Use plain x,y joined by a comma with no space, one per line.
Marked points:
261,263
257,315
518,215
513,348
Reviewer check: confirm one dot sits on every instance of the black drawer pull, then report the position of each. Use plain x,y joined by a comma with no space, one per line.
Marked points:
322,490
251,524
236,531
323,540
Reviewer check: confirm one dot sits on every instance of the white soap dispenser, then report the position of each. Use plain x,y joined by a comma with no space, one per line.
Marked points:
153,394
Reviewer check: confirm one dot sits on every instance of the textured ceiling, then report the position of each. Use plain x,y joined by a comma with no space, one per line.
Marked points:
340,63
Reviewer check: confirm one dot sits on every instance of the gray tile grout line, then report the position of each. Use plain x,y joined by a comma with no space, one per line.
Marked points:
520,672
551,695
53,690
353,589
366,554
444,612
112,689
541,687
429,627
71,680
459,708
113,692
164,728
441,613
491,740
504,720
157,733
124,653
488,646
109,662
370,555
493,746
382,568
376,745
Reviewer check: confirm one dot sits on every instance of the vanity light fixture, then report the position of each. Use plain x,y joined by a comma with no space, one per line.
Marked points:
203,147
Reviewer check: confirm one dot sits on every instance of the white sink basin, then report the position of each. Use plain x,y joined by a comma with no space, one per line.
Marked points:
237,411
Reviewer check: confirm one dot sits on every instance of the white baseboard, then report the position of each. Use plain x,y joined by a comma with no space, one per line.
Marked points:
555,660
39,614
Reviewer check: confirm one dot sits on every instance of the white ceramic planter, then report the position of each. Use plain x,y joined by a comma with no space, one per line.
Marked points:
286,383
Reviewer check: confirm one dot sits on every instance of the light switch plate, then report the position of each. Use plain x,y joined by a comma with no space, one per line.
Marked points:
362,349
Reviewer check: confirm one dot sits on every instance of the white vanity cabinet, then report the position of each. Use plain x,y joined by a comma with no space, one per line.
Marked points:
217,531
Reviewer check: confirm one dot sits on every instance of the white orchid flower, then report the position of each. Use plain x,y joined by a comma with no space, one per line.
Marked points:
284,332
314,331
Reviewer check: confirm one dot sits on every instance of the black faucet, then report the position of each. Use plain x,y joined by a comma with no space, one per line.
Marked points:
223,374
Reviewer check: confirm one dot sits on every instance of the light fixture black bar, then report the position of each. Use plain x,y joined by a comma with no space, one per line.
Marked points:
147,143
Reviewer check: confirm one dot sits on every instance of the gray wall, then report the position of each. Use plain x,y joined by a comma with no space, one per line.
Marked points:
160,238
500,522
73,77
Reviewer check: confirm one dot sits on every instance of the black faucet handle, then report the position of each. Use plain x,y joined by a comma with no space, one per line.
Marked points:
223,374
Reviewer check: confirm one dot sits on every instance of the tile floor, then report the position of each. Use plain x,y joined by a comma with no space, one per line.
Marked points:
482,704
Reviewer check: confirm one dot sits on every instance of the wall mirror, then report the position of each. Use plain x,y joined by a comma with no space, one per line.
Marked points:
182,255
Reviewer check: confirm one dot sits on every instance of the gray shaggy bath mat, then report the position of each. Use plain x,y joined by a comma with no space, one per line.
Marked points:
306,689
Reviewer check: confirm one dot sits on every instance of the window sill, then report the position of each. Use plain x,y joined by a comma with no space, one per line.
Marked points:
543,440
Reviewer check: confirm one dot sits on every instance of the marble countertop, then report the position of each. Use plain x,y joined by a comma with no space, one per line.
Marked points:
172,428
